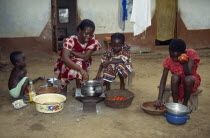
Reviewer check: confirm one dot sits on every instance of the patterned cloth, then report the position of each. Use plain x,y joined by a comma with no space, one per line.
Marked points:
65,74
113,69
177,68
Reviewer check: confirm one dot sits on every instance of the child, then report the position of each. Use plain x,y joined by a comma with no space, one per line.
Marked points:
75,58
116,61
184,80
18,81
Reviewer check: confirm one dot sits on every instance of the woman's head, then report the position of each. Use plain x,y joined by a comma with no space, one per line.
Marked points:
85,30
17,58
176,48
117,41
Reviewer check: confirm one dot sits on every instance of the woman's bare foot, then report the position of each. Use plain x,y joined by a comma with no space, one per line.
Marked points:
63,91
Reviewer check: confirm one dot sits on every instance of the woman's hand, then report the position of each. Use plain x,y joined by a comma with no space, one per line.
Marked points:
158,103
85,76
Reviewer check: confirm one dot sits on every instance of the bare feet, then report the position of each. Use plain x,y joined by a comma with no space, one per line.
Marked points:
63,91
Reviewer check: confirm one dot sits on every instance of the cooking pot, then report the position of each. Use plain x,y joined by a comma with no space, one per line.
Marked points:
92,88
52,82
177,108
176,119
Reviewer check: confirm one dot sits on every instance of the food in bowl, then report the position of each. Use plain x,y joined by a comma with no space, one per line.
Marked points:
117,98
114,103
149,108
47,90
49,103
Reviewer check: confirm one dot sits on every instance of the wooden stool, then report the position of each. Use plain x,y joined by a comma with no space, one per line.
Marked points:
193,98
107,41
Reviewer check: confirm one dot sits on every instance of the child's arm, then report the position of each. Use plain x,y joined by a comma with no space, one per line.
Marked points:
158,102
37,79
84,56
113,61
98,76
188,66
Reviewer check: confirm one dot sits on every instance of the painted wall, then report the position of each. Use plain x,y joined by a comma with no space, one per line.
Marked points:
195,13
25,25
105,14
23,18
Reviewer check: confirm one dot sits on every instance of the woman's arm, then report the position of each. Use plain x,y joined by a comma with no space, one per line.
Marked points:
85,56
69,63
162,87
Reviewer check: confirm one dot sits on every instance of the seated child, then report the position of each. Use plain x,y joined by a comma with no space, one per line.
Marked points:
116,61
184,79
18,81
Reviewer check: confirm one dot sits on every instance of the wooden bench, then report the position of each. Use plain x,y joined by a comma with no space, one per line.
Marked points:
193,98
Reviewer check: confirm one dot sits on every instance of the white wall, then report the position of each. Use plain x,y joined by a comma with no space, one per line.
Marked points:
195,13
104,13
23,18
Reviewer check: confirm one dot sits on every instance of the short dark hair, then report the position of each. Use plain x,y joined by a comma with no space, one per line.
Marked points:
85,23
14,55
177,45
118,36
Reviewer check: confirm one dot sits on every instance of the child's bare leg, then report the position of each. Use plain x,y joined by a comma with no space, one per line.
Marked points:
23,88
107,85
122,83
175,82
78,84
188,86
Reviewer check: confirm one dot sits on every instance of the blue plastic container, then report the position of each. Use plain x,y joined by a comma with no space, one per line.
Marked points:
176,119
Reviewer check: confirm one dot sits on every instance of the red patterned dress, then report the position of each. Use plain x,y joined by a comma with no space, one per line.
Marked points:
177,68
113,69
65,74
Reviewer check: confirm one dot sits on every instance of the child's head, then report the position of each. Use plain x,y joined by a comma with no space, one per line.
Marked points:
176,48
85,30
117,41
17,58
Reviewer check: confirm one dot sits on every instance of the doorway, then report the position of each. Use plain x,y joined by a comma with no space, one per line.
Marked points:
64,17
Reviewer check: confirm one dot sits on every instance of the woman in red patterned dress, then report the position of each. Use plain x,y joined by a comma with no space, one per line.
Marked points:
184,80
75,58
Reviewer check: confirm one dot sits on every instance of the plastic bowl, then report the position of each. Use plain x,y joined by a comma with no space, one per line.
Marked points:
49,103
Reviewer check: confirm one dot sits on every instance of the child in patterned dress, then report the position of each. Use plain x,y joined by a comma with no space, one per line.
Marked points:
116,61
184,80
